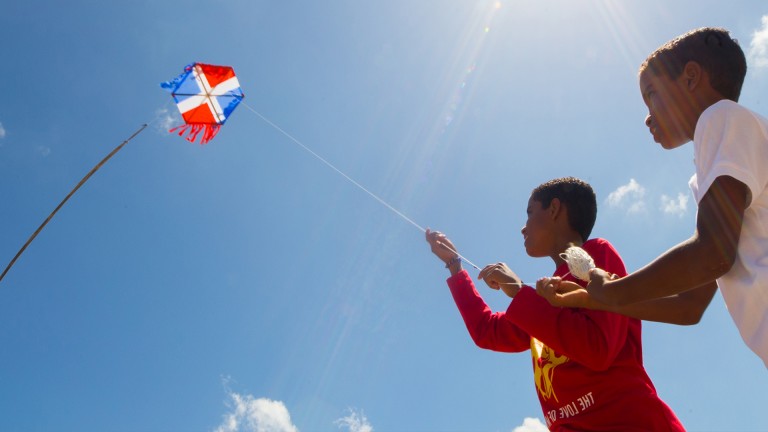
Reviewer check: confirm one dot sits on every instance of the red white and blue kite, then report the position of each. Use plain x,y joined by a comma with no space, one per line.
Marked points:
206,95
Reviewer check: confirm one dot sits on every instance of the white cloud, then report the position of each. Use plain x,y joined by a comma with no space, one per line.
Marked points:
636,207
531,424
166,119
629,196
355,422
758,46
2,131
43,151
249,414
674,206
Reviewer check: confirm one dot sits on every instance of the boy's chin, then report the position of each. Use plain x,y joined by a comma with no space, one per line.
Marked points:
667,142
533,254
671,145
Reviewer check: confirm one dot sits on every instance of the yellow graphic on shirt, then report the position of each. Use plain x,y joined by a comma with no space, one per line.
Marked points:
545,360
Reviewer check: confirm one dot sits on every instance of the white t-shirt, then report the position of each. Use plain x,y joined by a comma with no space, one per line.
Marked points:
731,140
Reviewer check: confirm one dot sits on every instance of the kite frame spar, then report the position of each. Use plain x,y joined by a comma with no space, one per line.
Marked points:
72,192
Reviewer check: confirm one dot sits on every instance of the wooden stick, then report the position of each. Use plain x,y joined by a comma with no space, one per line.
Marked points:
87,176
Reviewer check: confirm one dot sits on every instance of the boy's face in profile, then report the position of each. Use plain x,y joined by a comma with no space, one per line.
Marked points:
537,231
670,110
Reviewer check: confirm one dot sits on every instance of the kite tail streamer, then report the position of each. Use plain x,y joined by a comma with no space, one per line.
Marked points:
61,204
192,130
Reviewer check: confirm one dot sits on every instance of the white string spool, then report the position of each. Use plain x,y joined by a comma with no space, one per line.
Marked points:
579,262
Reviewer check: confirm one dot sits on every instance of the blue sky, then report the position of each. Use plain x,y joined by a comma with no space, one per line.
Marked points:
244,284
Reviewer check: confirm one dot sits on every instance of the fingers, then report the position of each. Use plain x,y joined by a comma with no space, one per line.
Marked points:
555,287
489,270
431,236
485,271
597,273
436,238
498,276
562,293
547,287
440,245
548,283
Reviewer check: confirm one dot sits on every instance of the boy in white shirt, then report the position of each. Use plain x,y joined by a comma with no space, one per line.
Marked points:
691,86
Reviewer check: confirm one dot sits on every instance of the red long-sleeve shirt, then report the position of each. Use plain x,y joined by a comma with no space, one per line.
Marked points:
588,365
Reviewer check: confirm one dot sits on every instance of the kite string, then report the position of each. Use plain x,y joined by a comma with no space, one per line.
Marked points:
350,179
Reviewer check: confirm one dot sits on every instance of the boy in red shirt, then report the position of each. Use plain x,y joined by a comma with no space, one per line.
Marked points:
587,364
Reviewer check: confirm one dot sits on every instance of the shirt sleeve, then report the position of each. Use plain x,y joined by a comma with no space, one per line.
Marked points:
488,330
730,141
591,338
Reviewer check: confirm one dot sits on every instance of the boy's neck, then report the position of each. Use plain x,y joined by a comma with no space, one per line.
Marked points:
704,97
562,244
710,100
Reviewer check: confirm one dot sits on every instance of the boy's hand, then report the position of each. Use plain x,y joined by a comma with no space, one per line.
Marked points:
597,281
499,276
441,246
562,293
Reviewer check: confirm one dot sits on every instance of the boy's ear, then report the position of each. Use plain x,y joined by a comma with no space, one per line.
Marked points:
692,72
555,207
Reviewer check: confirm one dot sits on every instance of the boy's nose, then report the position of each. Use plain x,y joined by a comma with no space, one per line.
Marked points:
648,120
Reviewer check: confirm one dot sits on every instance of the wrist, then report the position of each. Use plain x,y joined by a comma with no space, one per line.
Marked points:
598,297
454,265
511,290
608,294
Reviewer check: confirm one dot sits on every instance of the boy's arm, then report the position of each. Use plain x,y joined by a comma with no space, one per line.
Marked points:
488,330
685,308
696,262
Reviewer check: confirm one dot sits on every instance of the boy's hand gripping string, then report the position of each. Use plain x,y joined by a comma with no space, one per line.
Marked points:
459,257
440,244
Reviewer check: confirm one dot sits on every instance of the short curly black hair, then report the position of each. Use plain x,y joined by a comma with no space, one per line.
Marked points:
713,48
577,196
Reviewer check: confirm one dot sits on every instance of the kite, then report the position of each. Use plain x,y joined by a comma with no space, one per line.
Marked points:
206,96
